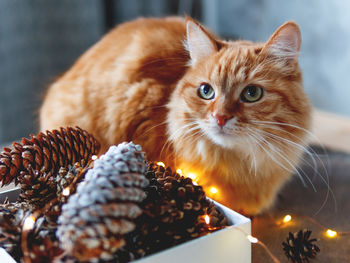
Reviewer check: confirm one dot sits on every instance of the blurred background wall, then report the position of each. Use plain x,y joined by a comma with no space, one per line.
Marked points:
40,39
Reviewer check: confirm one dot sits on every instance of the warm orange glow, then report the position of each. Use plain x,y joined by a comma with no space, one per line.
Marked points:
207,219
179,171
252,239
287,219
29,223
161,164
66,191
213,190
331,233
193,176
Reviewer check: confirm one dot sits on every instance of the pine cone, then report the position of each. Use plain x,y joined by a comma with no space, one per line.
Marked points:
299,247
66,175
173,213
42,242
43,245
96,218
11,219
63,179
46,153
39,188
36,188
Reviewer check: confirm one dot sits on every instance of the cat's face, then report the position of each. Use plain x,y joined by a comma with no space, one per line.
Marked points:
239,94
227,94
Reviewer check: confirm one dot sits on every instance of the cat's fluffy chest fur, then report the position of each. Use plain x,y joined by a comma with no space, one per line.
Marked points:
140,83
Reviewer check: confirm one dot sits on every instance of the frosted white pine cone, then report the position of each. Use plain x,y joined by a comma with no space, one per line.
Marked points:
103,209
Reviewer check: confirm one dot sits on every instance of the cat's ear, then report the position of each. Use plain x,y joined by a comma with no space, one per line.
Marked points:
199,43
285,42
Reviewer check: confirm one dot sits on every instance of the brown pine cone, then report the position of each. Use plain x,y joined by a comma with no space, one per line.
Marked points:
66,175
43,245
37,188
300,247
42,242
11,219
64,178
173,213
46,153
103,209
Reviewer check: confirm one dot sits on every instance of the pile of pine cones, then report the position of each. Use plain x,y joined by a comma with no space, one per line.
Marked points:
115,209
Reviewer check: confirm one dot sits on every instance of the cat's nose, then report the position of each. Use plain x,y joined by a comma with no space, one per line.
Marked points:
221,119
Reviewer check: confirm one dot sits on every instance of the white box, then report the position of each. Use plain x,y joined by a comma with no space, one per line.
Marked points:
223,246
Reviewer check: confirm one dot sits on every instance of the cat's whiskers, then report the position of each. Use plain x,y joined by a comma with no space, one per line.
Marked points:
310,152
174,136
251,147
260,141
294,144
151,128
290,125
282,140
171,137
281,143
280,154
275,125
192,138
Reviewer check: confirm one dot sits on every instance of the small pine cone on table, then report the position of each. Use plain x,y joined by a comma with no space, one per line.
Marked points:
299,248
46,153
173,213
12,216
96,218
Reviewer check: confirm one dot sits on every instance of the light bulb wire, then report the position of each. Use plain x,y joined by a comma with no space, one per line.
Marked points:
315,222
260,243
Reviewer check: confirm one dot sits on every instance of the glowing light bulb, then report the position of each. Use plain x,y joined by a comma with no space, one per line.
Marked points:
94,157
161,164
331,233
193,176
207,219
29,223
252,239
213,190
179,171
66,191
287,219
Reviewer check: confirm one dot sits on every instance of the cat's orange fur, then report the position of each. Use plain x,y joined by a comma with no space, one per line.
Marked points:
140,83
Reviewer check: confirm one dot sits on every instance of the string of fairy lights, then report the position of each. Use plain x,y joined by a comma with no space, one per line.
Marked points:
29,222
214,191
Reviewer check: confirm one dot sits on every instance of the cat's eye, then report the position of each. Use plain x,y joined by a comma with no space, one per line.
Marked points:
252,93
205,91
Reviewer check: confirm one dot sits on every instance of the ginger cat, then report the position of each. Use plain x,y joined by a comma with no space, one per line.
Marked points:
233,112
